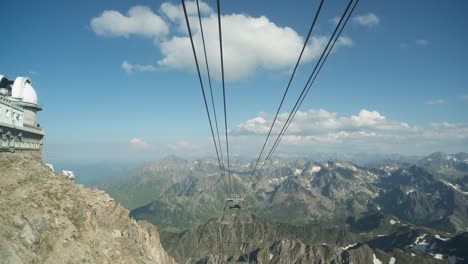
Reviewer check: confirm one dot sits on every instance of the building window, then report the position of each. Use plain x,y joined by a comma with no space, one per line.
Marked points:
8,113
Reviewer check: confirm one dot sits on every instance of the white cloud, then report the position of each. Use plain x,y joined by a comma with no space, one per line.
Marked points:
184,145
316,122
334,20
435,101
140,20
423,42
367,118
255,125
175,12
130,68
344,41
138,144
249,43
367,131
369,19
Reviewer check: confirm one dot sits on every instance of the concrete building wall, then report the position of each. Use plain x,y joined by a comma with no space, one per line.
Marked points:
9,114
13,135
4,108
29,117
14,138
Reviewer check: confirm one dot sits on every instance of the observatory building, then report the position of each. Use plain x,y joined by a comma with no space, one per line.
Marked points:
19,129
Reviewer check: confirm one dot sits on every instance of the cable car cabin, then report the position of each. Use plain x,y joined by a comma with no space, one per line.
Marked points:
235,210
236,206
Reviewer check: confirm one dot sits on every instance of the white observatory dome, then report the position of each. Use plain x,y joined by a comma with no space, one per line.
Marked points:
29,94
22,89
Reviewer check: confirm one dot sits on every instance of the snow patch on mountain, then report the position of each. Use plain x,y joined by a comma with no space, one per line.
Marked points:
315,169
420,243
441,238
376,260
455,187
349,246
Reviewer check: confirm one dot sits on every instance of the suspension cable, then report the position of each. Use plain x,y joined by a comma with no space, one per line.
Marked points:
312,78
211,87
224,90
287,88
202,88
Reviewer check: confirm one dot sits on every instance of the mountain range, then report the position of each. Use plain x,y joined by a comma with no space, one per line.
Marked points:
299,204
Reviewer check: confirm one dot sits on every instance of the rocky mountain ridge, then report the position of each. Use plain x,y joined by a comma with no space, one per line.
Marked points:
269,242
302,191
46,218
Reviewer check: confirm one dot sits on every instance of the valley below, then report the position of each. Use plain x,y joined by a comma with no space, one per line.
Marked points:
303,211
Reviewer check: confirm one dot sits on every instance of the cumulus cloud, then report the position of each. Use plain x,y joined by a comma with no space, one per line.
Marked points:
140,20
369,20
176,14
138,144
319,122
249,43
423,42
435,101
184,145
130,68
366,130
334,20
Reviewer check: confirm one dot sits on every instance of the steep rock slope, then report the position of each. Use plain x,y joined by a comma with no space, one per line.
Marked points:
45,218
446,166
268,242
144,184
414,195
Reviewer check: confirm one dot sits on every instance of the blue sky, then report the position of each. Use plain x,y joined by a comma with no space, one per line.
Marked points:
122,88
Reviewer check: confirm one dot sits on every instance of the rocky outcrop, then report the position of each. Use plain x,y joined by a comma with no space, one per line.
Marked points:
46,218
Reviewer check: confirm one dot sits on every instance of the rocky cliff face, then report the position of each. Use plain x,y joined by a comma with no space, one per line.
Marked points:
45,218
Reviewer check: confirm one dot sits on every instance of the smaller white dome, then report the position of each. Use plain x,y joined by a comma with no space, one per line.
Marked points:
29,94
23,90
18,87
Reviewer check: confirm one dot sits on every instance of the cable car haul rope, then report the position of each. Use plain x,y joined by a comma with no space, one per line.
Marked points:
236,213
